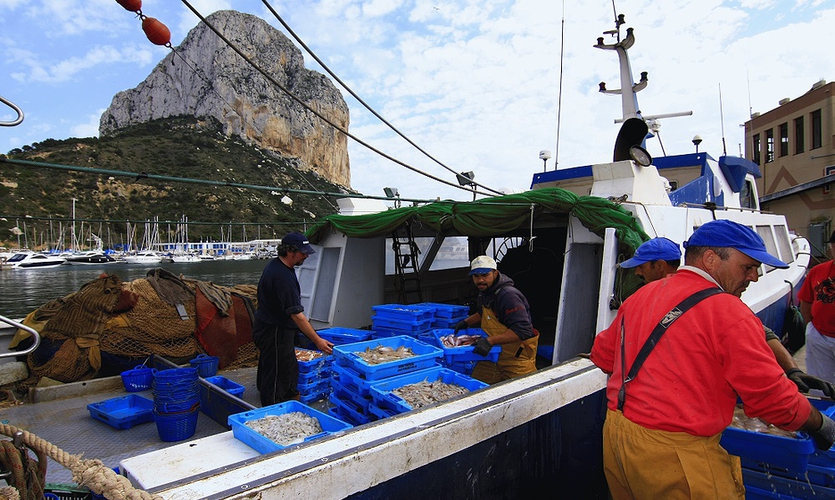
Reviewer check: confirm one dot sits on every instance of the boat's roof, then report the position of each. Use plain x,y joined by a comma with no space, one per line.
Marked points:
489,217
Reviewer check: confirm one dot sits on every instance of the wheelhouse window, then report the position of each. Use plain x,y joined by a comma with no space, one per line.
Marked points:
767,235
769,145
817,133
755,149
784,244
784,139
798,135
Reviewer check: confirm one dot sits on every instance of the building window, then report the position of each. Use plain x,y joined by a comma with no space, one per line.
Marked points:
798,135
769,145
816,129
828,171
755,148
784,139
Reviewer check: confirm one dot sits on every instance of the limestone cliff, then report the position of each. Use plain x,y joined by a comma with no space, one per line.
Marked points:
207,78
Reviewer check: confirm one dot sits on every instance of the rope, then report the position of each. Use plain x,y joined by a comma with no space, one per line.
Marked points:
93,474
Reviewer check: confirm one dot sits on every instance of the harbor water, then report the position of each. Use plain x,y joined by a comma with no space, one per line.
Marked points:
24,290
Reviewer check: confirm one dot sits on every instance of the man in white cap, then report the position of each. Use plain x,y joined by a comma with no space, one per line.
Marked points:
676,374
504,314
278,319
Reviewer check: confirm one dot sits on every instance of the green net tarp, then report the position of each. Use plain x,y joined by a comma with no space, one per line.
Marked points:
491,217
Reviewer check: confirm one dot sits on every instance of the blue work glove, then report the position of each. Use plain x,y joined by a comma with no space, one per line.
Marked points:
804,382
482,347
461,325
825,436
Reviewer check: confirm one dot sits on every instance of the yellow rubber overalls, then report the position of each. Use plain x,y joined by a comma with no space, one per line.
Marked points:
509,365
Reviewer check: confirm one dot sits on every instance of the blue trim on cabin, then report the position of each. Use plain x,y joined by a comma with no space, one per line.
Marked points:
735,169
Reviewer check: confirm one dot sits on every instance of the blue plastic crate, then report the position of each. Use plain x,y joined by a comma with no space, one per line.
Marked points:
447,323
381,391
381,412
406,313
447,310
790,454
227,385
317,385
315,376
378,322
350,411
262,444
314,364
763,485
347,392
425,355
339,336
350,380
318,396
123,412
464,353
464,367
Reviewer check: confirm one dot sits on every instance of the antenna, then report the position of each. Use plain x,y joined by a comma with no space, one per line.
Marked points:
750,108
559,97
722,118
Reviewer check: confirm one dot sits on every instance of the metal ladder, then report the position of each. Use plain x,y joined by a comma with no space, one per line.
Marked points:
406,272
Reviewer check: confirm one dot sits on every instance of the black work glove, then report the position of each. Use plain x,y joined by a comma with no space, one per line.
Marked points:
804,382
482,347
461,325
825,436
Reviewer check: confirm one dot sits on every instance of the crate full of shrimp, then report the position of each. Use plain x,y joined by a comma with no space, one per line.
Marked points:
421,388
385,357
279,426
760,445
312,361
460,348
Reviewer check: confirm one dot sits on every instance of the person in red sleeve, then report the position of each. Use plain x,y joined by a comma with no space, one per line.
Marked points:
669,402
817,305
659,257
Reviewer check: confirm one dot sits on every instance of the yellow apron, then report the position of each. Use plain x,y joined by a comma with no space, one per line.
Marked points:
509,365
642,463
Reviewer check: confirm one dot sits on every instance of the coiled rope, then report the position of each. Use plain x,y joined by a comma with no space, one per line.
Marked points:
90,473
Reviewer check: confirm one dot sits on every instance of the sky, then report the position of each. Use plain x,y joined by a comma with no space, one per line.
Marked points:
480,85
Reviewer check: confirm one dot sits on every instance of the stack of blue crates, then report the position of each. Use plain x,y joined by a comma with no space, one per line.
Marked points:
352,377
314,376
391,320
776,467
446,315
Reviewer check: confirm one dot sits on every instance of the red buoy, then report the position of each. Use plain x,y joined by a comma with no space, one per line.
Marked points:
131,5
156,32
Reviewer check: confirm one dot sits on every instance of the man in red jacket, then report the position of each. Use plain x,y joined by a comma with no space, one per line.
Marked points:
671,398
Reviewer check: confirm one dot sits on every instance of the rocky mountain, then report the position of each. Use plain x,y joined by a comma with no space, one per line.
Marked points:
204,78
115,191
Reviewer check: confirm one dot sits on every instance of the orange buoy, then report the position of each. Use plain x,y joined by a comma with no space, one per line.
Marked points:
131,5
156,32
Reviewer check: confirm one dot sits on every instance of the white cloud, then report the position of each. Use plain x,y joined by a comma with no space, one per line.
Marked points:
90,128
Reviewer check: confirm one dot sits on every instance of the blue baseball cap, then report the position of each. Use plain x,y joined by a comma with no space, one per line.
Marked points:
652,250
299,241
727,233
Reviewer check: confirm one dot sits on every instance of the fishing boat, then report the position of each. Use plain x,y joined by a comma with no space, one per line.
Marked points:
523,435
562,251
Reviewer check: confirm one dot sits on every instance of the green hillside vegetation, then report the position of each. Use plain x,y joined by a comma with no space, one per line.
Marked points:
41,198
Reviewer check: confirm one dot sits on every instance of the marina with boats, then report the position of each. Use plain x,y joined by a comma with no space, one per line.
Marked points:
502,441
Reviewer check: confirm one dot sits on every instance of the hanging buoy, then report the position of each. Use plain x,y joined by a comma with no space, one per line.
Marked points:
131,5
157,33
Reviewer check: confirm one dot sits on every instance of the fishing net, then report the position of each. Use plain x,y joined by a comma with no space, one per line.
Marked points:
108,322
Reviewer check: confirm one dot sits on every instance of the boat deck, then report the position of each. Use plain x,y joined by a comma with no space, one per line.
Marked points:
61,417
